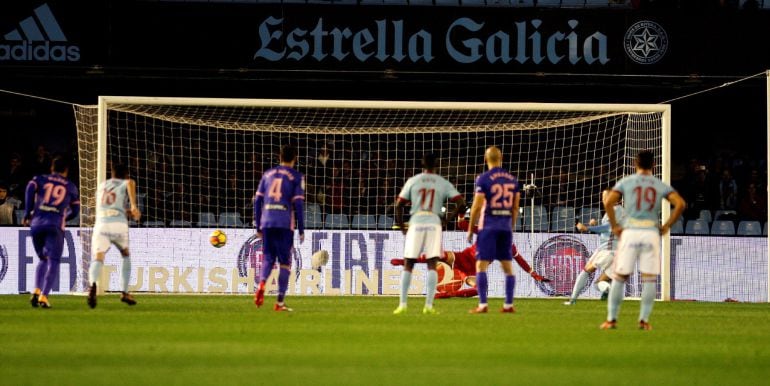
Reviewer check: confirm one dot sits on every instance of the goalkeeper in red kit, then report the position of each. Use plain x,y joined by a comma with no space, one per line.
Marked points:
462,270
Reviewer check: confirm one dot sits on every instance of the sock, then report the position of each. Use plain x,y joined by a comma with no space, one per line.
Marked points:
267,266
617,292
125,273
406,280
648,299
40,271
580,284
283,283
52,273
483,286
510,284
95,271
602,286
431,287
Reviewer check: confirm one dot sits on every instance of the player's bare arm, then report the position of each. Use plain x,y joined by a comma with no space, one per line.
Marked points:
460,206
478,203
609,207
679,204
133,210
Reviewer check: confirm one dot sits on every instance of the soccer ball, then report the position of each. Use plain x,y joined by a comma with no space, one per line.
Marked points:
218,238
319,259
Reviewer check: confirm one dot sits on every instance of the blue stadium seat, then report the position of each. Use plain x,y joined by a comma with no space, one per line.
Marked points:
230,220
678,227
180,224
207,219
723,228
336,221
540,220
697,227
749,228
154,224
74,222
563,219
705,215
312,207
141,200
313,220
586,214
364,221
729,214
384,222
764,230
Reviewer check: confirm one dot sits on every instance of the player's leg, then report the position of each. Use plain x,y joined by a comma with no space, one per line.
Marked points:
432,249
412,250
38,241
54,245
285,242
125,277
100,244
623,266
505,255
525,266
268,261
582,281
649,265
485,253
604,261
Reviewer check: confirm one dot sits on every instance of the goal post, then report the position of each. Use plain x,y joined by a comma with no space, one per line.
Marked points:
193,156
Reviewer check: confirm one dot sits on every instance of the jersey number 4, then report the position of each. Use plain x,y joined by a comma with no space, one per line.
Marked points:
275,189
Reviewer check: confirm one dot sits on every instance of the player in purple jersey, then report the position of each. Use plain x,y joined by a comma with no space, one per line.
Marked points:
495,207
51,200
278,206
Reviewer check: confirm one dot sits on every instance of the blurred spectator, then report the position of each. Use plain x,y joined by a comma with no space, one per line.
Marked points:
728,192
17,177
336,201
7,206
319,175
41,164
700,193
753,205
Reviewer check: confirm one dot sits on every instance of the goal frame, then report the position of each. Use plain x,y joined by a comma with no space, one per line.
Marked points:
665,109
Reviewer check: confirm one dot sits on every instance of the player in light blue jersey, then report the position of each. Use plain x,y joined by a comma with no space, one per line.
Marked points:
639,232
428,193
278,207
602,256
113,196
51,201
495,208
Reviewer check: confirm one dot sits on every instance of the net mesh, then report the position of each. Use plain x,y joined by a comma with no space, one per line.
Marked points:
198,166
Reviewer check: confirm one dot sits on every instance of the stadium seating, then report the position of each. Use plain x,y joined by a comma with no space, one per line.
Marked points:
337,221
540,222
586,214
522,3
312,207
705,215
207,219
723,228
19,216
141,200
180,224
74,222
313,220
563,219
725,215
749,228
230,220
154,224
364,221
384,222
678,227
764,231
697,227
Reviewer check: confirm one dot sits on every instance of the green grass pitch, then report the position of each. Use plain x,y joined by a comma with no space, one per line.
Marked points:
225,340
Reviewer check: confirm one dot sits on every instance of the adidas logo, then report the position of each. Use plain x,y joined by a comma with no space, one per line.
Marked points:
39,38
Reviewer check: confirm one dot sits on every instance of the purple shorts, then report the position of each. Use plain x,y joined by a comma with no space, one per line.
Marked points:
48,242
277,244
494,244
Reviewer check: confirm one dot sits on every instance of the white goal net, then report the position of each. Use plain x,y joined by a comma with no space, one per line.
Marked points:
197,163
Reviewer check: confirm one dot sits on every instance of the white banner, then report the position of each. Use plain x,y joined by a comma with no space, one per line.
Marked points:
183,261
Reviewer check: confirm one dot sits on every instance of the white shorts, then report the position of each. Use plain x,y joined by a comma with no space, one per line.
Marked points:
642,245
602,258
106,234
423,239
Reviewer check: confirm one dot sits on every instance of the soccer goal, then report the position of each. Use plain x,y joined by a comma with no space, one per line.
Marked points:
197,162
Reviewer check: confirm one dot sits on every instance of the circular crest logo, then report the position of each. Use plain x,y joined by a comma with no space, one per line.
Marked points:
3,262
646,42
251,256
560,258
